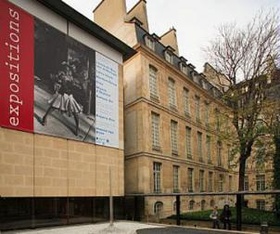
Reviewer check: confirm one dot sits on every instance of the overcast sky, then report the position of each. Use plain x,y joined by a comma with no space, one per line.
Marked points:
196,21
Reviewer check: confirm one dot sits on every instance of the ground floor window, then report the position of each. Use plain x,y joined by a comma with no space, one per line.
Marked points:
191,205
260,204
158,207
203,204
34,212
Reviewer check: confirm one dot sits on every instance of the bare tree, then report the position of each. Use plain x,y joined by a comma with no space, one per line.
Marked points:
244,56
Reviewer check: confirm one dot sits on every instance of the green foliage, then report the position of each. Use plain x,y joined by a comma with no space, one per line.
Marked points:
249,216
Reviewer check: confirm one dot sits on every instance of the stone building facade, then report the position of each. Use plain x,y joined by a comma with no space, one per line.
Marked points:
175,123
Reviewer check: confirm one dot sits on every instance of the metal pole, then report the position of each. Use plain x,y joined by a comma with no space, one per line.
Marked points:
178,208
239,200
111,199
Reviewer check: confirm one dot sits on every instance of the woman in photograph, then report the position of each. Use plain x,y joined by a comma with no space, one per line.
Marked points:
63,99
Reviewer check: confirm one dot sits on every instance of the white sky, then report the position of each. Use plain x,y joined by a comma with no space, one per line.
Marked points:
196,21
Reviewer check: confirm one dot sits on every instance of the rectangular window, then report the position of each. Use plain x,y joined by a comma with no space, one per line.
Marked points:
183,68
230,183
229,156
174,136
153,82
176,179
190,180
210,182
191,205
260,204
221,183
168,56
197,108
199,146
208,149
171,93
218,120
207,114
260,182
246,183
188,142
186,102
155,131
157,177
149,41
201,181
219,153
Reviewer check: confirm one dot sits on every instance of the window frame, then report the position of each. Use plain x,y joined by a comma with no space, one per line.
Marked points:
174,137
186,98
188,142
210,181
176,188
150,42
172,99
153,83
190,180
197,101
199,146
201,180
260,182
155,131
157,177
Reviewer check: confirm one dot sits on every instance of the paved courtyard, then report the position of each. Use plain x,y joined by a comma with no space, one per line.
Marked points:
124,228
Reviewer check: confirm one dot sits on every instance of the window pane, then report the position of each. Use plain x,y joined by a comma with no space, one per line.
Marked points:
219,153
208,149
260,182
153,82
221,183
188,142
210,182
157,177
155,131
171,93
201,181
197,108
190,180
174,144
186,101
206,117
175,179
150,42
199,146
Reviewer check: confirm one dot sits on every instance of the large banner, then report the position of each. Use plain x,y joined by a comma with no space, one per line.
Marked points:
53,84
107,98
16,68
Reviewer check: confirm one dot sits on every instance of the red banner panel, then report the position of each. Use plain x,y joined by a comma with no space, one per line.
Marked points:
16,67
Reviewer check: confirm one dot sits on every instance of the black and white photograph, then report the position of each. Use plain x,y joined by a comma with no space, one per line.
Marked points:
64,85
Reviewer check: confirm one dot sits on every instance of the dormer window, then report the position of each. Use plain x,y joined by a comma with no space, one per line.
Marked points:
184,69
169,57
183,66
196,78
191,70
168,54
150,42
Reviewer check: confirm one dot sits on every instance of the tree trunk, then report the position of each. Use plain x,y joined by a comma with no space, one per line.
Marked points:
240,198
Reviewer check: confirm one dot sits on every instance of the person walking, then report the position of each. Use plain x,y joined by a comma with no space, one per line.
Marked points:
226,217
215,218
